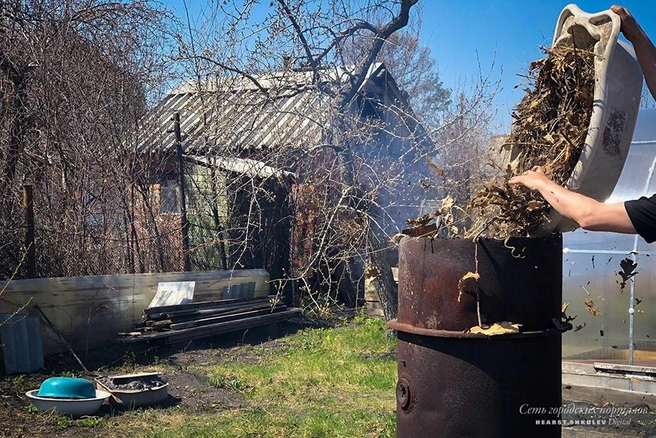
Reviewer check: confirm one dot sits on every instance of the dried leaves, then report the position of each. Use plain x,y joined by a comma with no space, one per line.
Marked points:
498,328
549,129
440,223
590,306
628,271
468,282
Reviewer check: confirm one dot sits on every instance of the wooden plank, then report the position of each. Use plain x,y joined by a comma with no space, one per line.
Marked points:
217,329
204,305
187,314
164,323
219,312
231,317
624,368
190,306
212,329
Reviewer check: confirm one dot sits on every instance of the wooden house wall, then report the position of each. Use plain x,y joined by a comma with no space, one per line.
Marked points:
261,238
224,232
90,311
207,212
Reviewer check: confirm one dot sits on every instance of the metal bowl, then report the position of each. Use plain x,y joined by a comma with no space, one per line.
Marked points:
72,407
67,387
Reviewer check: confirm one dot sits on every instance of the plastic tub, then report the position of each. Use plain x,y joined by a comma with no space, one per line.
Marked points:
134,398
67,387
618,85
72,407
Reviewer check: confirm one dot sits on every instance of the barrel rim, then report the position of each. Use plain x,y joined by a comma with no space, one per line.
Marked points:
407,328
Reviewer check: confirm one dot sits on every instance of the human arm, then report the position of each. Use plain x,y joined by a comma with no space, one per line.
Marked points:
644,48
589,213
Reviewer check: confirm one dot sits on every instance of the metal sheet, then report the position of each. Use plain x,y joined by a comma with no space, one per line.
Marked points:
172,293
219,119
22,346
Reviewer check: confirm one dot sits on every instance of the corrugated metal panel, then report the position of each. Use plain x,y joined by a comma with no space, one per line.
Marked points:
230,119
22,347
89,311
248,167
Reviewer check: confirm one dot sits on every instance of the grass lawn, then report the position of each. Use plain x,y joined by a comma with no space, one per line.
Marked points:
317,382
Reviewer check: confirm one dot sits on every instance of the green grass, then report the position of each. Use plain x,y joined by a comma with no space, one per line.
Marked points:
315,383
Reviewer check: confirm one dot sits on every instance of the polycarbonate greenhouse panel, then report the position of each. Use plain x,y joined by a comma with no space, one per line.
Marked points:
597,303
591,266
645,309
582,240
636,180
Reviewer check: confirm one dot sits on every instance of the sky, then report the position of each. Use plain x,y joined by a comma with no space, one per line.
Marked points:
496,37
505,36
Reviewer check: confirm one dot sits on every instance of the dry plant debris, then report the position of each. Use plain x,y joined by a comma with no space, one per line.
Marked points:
590,306
564,323
549,129
470,278
498,328
628,271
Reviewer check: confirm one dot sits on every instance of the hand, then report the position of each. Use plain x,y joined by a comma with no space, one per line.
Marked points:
630,27
532,179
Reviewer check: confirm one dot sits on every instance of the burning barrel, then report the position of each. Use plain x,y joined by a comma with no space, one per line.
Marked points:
479,339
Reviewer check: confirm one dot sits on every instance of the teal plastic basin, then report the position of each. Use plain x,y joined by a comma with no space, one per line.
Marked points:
67,387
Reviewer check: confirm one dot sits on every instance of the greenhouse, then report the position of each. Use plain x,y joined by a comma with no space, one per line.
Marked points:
609,279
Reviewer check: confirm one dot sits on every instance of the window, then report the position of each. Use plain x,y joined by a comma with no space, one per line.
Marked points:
169,197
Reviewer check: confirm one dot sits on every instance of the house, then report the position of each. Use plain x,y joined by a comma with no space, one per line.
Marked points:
263,158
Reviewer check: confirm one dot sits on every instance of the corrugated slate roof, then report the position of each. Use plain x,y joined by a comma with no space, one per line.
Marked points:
239,115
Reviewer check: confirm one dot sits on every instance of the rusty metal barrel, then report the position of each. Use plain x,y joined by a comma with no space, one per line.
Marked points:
454,382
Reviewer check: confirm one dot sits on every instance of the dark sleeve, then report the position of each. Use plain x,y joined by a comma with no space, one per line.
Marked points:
642,213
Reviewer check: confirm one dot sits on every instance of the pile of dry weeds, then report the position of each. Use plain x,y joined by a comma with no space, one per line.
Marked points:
549,129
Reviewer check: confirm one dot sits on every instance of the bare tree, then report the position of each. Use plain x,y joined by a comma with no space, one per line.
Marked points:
462,161
74,78
415,71
351,188
77,79
350,198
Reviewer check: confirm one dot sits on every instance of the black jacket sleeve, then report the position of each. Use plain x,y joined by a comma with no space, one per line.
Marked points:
642,213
